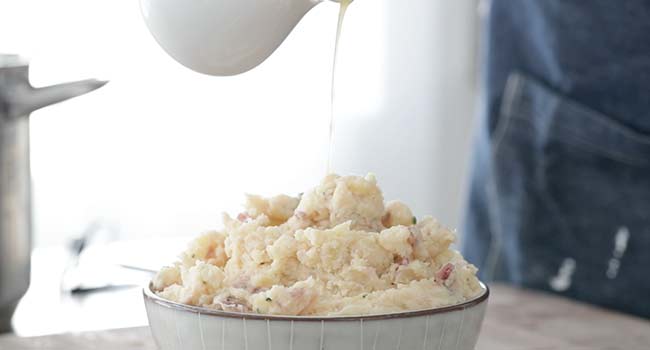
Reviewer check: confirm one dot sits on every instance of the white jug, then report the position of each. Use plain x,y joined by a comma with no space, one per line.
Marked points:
222,37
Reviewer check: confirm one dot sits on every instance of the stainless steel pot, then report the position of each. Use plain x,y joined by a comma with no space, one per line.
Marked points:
17,100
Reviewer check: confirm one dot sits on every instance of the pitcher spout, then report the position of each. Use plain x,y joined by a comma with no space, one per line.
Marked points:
32,99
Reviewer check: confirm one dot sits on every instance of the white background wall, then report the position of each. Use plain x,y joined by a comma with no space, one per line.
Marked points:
409,119
162,150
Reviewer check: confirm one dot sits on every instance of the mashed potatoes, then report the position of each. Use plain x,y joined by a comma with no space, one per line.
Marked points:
337,250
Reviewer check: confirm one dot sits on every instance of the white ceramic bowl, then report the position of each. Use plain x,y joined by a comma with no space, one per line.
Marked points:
178,326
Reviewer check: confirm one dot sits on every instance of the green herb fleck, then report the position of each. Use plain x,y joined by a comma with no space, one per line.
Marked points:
415,220
269,300
193,256
365,295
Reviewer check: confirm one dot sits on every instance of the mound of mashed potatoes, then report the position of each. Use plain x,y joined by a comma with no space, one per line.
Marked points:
336,250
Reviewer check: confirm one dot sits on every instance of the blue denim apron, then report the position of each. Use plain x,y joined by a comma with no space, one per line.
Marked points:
560,186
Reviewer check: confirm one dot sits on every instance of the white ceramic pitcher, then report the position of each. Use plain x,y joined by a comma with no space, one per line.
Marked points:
223,37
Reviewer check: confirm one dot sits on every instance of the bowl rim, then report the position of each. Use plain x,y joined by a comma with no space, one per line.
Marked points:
149,295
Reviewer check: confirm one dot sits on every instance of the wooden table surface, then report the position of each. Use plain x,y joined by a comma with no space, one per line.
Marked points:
516,319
